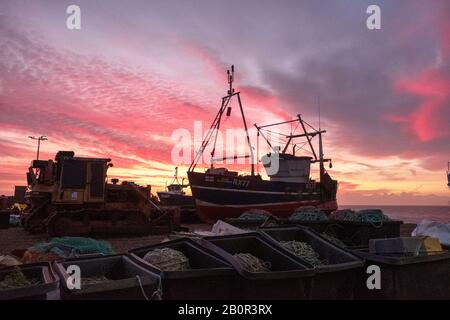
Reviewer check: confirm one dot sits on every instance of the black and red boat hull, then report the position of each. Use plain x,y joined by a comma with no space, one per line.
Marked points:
227,196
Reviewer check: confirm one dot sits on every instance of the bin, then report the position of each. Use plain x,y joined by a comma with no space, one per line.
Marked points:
47,287
407,277
335,280
359,233
210,278
318,226
288,278
126,279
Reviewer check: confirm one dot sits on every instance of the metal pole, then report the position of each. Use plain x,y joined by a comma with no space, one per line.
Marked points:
307,137
322,169
39,145
265,138
248,137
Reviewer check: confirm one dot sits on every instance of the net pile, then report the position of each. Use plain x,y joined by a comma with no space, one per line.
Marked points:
255,214
87,281
68,247
16,279
308,214
304,251
168,259
373,216
367,215
344,215
250,263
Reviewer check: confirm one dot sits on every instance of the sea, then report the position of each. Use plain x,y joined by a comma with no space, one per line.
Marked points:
409,214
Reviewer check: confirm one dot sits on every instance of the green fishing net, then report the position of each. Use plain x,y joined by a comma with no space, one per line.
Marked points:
72,246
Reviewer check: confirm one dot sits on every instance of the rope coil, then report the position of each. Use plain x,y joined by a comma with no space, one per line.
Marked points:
304,251
308,214
375,217
250,263
168,259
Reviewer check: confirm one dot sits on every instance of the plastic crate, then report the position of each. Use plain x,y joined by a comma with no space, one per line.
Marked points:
335,280
359,233
46,289
127,279
210,278
318,226
288,278
413,277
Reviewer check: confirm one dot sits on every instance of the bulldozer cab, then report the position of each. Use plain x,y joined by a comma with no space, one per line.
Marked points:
40,172
73,180
82,180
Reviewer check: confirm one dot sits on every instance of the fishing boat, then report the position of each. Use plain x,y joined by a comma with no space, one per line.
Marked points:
220,193
175,195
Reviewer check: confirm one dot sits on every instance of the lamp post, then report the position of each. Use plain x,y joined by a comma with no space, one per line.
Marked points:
39,139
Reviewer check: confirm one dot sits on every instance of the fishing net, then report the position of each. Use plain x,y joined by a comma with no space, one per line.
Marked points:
367,215
308,214
373,216
250,263
304,251
88,281
344,215
16,279
255,214
168,259
72,246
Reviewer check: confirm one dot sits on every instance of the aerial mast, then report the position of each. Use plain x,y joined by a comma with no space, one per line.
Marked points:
215,126
322,169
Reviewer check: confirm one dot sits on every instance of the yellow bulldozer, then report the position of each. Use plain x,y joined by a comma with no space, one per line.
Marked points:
71,196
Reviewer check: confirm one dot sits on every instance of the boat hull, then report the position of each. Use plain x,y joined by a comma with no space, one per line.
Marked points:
223,196
170,199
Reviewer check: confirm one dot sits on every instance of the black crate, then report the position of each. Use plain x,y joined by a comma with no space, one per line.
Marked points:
318,226
414,277
288,278
335,280
128,280
359,233
210,278
48,283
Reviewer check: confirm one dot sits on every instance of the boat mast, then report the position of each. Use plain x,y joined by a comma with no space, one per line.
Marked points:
215,126
322,169
175,177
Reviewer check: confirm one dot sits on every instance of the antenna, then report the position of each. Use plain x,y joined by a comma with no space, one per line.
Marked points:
230,79
318,104
215,126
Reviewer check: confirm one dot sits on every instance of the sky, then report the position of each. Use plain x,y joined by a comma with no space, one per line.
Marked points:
138,70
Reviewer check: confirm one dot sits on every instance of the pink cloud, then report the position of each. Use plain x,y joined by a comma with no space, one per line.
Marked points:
430,119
